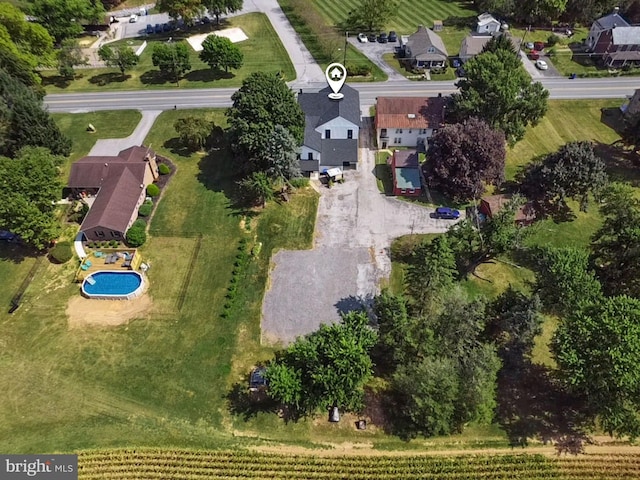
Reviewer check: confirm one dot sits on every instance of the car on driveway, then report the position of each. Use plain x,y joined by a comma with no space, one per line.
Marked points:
542,65
158,28
382,38
393,36
529,45
534,55
446,213
133,18
362,38
538,46
149,29
371,37
166,27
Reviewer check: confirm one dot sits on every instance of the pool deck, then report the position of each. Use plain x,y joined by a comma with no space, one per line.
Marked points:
99,263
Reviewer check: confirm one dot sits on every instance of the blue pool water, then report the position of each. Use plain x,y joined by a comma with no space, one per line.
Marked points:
112,283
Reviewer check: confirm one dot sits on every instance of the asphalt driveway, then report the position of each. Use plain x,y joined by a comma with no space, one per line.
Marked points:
355,225
111,146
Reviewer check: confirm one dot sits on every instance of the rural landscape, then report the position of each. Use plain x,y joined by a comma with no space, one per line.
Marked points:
216,264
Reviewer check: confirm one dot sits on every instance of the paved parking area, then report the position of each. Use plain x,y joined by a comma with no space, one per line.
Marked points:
355,225
374,51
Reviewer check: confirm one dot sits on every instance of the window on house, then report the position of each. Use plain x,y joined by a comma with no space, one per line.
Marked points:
431,50
398,130
423,131
327,134
310,156
100,233
409,130
383,132
116,234
350,134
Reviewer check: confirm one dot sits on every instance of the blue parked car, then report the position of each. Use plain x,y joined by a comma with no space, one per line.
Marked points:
158,28
446,213
166,27
149,29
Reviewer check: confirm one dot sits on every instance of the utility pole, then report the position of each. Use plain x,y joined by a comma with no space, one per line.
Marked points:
346,39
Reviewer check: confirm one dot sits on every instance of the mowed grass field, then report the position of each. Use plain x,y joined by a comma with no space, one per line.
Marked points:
408,15
162,379
263,52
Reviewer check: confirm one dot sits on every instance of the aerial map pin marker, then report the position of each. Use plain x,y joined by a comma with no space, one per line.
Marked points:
336,75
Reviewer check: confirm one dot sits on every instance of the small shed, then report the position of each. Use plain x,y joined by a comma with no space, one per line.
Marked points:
438,26
492,204
333,174
405,169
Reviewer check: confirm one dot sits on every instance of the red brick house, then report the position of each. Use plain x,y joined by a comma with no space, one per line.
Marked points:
405,169
614,40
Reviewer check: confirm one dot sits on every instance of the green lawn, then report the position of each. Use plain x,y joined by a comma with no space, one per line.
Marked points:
566,121
410,13
110,124
263,51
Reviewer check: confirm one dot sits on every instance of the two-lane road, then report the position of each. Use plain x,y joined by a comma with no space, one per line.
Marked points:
561,88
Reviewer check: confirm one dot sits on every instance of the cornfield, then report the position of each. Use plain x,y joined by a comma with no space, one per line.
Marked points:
166,464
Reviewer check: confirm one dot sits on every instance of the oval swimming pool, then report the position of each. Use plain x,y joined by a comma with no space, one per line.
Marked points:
113,285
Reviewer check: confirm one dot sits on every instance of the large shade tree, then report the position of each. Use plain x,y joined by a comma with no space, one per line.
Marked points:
29,187
188,10
327,368
32,41
172,59
220,53
372,15
222,7
616,244
498,90
24,121
463,157
64,18
262,102
574,171
597,350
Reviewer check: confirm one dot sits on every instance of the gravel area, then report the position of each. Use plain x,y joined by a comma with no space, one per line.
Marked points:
355,225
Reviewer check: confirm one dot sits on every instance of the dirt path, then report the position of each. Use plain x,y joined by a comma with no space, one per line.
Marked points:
610,447
85,312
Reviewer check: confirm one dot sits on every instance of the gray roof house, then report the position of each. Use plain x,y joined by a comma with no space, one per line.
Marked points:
614,40
473,44
425,49
487,24
332,128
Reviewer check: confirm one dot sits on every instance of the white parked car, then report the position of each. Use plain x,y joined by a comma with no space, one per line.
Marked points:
529,45
542,65
362,38
133,18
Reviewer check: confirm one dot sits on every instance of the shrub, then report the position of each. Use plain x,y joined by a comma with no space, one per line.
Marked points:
145,210
104,244
163,169
300,182
358,70
113,243
136,236
153,190
553,39
62,252
139,223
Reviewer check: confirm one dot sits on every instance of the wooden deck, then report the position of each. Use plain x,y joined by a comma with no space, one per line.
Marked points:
99,262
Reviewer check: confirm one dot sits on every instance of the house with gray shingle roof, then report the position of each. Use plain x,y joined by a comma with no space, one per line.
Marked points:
614,40
425,49
331,130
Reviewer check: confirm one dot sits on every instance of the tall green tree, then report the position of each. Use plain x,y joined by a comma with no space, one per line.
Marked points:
498,90
187,10
431,271
331,364
279,156
257,188
463,157
574,171
121,57
24,120
564,279
597,350
172,59
194,131
262,102
70,55
372,15
32,41
616,245
222,7
29,187
64,18
221,53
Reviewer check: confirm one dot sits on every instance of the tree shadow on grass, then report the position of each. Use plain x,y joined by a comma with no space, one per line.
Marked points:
532,404
243,403
103,79
154,77
623,165
175,146
613,118
16,252
354,303
56,80
208,75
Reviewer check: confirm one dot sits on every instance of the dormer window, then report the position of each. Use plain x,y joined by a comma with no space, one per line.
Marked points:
431,50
